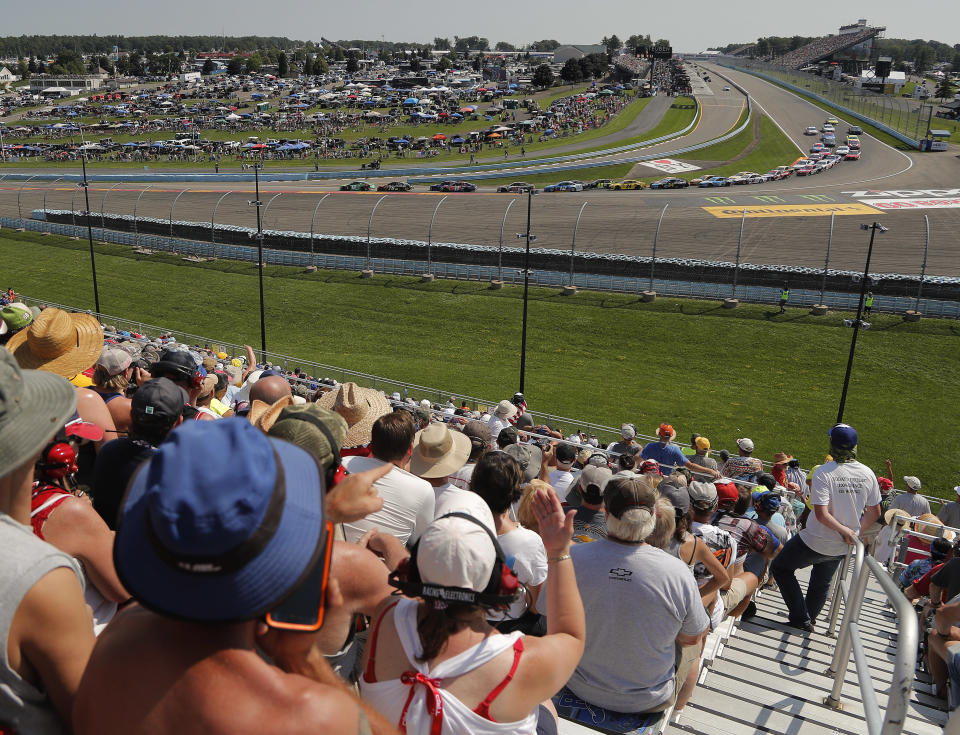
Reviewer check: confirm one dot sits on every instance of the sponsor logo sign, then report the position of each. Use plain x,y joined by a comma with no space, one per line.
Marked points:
671,166
902,193
944,203
791,210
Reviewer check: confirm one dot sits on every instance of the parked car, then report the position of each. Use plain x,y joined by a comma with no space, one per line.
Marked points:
670,182
395,186
564,186
517,187
711,181
356,186
811,130
627,184
852,155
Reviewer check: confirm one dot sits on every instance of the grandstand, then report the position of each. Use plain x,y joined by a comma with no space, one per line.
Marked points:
741,50
851,48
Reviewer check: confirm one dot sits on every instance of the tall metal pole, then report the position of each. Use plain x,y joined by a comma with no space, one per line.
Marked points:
500,249
573,243
103,203
263,321
86,196
856,325
430,231
370,226
736,270
656,237
923,268
826,262
311,223
73,216
136,232
3,154
174,203
213,216
526,286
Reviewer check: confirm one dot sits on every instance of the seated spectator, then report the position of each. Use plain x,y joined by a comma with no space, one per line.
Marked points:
744,466
627,464
949,513
497,480
562,478
750,535
506,436
191,548
155,409
941,551
590,520
525,515
111,376
14,317
534,460
180,367
479,435
360,407
47,633
408,501
623,578
701,456
501,418
665,526
434,663
943,657
205,399
439,452
917,547
628,443
766,511
669,455
911,501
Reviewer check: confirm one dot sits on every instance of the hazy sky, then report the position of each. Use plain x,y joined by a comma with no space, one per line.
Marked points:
691,25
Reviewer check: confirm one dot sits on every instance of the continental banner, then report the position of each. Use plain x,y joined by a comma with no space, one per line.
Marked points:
790,210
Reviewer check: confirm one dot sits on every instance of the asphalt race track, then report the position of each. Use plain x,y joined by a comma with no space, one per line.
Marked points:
700,223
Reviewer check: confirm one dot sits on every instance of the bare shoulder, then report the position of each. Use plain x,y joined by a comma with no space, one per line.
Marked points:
308,707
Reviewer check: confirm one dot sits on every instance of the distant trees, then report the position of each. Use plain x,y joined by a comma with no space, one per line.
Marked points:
441,44
548,44
542,76
613,44
253,63
353,62
944,89
637,42
504,46
444,63
571,72
208,67
470,43
283,65
235,65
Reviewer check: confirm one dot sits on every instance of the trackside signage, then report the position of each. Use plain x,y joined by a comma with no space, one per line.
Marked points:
902,193
791,210
944,203
909,198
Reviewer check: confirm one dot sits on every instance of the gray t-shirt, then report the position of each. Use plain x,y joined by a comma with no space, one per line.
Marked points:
703,461
950,514
637,599
915,505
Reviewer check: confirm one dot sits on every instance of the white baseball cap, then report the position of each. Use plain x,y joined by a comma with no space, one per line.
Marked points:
745,444
912,482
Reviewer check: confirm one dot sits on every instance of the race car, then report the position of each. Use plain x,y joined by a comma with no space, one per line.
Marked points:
395,186
711,181
811,130
852,155
564,186
517,187
356,186
627,184
599,184
670,182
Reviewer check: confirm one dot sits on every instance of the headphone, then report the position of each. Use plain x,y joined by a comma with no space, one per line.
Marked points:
178,372
501,589
57,460
336,472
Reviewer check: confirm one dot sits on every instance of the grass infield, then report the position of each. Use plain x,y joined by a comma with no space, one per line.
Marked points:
597,357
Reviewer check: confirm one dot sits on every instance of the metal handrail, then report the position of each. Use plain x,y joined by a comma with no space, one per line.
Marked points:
891,721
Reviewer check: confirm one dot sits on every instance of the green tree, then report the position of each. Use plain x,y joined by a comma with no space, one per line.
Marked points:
308,65
415,63
441,44
944,89
542,76
23,69
571,73
762,48
320,65
547,44
253,63
69,62
353,63
922,59
504,46
283,65
612,43
636,43
208,67
444,63
235,66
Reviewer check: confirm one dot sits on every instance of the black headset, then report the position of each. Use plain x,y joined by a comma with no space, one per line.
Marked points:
501,589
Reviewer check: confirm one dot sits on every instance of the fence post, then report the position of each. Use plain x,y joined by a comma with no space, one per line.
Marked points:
500,248
311,223
73,216
172,205
213,235
103,202
573,244
736,270
267,206
368,271
656,238
826,266
136,232
923,268
45,191
430,231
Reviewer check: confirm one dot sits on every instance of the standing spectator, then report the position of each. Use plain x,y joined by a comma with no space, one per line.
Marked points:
784,297
911,501
438,453
669,455
521,404
111,376
408,500
743,466
562,478
628,443
47,633
950,512
846,501
502,415
623,578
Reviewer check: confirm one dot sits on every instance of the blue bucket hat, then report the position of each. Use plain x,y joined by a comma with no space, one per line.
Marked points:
220,541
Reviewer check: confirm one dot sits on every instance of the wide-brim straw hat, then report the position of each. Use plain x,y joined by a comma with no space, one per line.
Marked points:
263,415
58,342
360,407
33,406
782,458
439,451
893,512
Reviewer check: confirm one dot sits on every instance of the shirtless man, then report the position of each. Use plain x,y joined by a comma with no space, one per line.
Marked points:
188,655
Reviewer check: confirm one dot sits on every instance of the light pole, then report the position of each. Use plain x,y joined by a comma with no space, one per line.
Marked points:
430,232
311,224
257,203
573,241
500,249
856,324
86,196
526,286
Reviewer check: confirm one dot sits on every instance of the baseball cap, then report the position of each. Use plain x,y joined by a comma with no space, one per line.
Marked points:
678,496
15,316
886,483
220,541
176,363
767,500
530,458
628,431
843,436
625,493
745,444
912,482
300,425
703,495
566,454
507,435
456,552
158,402
666,431
524,421
726,492
955,489
649,467
76,426
597,476
702,443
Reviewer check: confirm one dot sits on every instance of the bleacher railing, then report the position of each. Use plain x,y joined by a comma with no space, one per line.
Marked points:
891,720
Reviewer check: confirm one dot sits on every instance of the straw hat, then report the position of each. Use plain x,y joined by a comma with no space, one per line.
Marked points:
439,451
782,458
360,407
892,513
263,415
58,342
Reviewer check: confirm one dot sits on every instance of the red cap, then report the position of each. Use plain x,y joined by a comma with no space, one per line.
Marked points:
83,429
666,430
649,467
885,483
726,492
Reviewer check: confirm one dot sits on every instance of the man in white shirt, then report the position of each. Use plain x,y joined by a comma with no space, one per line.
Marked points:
408,501
501,418
846,501
562,478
